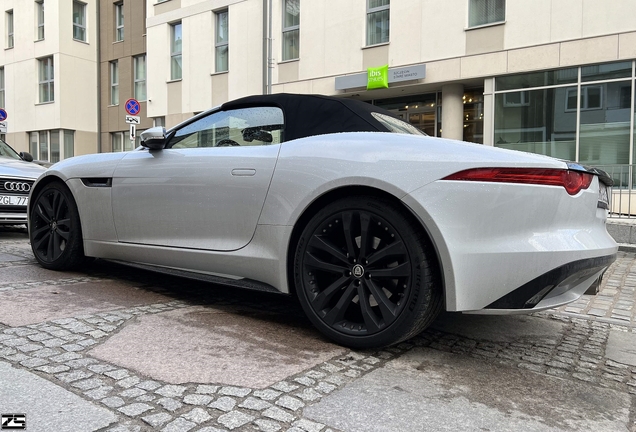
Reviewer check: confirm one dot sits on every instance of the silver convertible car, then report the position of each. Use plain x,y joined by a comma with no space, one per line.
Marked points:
374,226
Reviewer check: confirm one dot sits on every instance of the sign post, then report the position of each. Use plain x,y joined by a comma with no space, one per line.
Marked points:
3,120
132,108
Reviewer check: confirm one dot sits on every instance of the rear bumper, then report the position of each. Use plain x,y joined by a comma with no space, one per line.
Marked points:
555,288
493,239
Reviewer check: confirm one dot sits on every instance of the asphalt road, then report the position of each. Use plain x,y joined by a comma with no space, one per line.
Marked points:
113,348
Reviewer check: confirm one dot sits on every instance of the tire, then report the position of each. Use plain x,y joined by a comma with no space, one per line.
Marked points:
55,232
365,248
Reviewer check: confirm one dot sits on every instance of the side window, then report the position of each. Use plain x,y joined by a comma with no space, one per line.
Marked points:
241,127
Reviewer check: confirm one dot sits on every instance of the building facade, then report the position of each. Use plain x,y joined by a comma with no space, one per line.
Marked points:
48,76
122,72
555,78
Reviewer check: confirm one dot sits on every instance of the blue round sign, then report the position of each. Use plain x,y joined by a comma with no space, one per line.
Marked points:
3,114
132,107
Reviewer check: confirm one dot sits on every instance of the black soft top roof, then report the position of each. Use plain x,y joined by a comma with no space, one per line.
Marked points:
307,115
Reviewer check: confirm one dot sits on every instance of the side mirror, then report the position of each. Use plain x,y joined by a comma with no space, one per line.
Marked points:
26,156
154,138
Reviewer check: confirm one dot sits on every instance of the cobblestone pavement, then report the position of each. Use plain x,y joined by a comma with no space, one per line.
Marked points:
58,350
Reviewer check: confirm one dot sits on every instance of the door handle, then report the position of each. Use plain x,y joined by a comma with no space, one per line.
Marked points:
243,172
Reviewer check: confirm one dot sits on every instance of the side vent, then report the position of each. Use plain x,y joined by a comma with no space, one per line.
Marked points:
98,182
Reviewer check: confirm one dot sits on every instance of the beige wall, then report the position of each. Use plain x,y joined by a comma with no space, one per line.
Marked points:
75,63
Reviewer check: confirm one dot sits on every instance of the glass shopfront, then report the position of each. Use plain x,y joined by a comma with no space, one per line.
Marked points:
581,114
425,112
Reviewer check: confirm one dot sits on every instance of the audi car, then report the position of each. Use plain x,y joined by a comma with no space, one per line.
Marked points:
372,225
17,175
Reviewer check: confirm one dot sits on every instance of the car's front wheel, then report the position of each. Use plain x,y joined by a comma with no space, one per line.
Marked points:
365,274
54,228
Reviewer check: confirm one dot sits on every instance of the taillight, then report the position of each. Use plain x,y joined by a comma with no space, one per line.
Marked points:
572,181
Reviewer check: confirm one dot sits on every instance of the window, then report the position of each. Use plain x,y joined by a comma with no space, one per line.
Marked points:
516,99
46,79
114,83
377,21
482,12
175,51
591,98
2,101
69,144
159,121
240,127
291,29
79,21
120,141
39,16
139,64
10,29
222,42
119,22
45,145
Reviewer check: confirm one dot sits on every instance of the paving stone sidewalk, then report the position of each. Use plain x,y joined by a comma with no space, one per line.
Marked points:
616,299
58,350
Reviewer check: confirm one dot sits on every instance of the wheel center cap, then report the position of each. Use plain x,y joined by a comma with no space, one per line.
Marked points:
357,271
54,225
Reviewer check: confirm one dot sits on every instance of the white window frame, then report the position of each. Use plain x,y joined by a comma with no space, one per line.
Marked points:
374,10
137,80
126,144
173,53
80,27
223,44
495,22
119,25
10,28
524,99
114,82
46,62
64,150
290,29
584,101
39,19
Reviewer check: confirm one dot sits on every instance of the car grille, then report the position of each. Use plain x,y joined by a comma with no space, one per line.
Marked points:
15,186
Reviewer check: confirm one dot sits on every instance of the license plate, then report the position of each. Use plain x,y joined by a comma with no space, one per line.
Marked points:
603,195
12,200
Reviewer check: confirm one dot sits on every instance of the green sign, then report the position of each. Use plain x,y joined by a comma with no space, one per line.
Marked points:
378,77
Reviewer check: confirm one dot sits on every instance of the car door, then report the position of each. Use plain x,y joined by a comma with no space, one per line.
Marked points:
206,189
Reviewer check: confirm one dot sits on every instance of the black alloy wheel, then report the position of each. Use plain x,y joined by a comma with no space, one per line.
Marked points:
363,276
54,228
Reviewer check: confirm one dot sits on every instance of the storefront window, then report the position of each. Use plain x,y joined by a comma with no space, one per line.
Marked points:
606,71
538,79
544,120
536,121
605,121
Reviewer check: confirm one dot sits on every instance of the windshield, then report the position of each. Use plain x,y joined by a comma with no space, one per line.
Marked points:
396,125
7,151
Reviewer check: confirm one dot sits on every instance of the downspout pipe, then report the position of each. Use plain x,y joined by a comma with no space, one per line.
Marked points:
99,81
265,47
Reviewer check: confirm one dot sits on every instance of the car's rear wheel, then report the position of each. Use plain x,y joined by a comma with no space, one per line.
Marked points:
365,274
54,228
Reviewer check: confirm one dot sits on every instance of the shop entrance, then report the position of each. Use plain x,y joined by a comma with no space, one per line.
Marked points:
425,113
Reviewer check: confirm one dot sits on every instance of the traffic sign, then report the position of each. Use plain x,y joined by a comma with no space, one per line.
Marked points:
133,120
3,126
132,107
133,132
3,114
